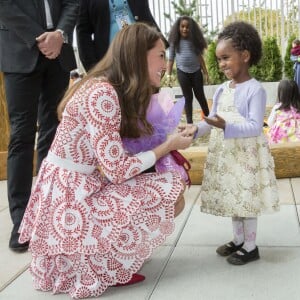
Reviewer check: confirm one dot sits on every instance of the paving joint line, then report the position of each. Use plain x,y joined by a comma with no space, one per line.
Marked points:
173,247
295,203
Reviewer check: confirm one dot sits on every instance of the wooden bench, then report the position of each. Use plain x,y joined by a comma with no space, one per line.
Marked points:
286,157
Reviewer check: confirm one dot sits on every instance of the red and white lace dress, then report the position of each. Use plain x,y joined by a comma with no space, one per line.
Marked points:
90,228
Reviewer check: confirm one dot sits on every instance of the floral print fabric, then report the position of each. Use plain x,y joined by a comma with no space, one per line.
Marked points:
286,127
90,228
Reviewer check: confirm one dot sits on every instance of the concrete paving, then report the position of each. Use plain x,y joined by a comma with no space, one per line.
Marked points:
187,266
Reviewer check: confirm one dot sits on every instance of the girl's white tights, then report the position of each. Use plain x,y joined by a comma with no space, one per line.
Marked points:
238,230
244,230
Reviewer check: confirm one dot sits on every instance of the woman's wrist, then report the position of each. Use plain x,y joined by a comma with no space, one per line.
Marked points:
163,149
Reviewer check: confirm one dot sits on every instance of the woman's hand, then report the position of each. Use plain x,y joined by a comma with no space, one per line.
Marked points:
216,121
179,140
187,129
175,141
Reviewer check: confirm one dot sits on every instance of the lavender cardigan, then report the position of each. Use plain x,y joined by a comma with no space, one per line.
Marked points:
250,100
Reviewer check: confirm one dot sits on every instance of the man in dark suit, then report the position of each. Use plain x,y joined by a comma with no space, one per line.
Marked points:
36,57
98,22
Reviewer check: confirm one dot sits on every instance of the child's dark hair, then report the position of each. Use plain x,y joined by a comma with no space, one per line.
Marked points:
288,95
195,35
296,42
244,37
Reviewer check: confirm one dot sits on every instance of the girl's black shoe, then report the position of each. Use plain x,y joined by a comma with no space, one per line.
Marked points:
228,248
241,259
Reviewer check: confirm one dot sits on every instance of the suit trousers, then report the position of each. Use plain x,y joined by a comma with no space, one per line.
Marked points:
32,100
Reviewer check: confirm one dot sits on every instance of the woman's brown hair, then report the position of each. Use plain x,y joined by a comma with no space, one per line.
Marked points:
125,67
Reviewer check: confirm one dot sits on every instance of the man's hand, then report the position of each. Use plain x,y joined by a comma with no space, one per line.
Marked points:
50,43
216,121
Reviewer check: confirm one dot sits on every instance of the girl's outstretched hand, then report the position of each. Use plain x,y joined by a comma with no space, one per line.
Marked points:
216,121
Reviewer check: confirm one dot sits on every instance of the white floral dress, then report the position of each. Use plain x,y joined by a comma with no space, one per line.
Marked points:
90,229
239,179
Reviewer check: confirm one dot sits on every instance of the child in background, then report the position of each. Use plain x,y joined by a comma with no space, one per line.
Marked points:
295,47
284,119
295,57
187,44
164,116
239,180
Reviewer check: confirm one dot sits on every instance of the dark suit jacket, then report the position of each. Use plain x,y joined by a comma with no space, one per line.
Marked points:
93,27
21,21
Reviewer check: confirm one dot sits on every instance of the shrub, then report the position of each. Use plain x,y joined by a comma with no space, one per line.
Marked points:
215,75
270,66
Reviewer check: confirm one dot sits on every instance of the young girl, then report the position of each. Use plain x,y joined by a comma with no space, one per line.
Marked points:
284,119
239,180
187,45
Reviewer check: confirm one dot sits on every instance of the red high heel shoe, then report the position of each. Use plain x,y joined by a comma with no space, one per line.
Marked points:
134,279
